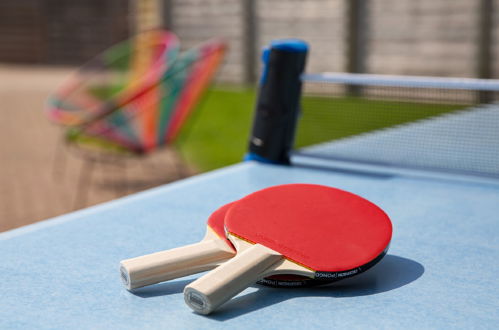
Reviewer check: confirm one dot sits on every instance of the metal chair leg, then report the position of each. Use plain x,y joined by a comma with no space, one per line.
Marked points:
121,181
179,163
84,182
59,160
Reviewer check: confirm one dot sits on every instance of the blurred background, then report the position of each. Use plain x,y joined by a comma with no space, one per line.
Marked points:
43,41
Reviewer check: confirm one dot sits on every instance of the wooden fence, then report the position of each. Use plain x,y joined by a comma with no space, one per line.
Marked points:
425,37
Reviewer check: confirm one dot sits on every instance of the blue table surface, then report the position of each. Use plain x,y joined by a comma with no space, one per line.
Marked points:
441,270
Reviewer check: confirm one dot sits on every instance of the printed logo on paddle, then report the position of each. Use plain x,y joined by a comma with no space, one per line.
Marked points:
337,275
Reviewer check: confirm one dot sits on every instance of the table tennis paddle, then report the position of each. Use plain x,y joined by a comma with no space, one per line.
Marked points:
209,253
303,229
182,261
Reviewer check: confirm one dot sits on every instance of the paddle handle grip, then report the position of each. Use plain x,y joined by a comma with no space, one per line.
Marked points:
170,264
210,291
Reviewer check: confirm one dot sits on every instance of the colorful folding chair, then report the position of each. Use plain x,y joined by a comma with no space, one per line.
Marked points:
154,117
138,107
117,75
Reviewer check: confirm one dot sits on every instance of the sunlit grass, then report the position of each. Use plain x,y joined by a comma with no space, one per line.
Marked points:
218,133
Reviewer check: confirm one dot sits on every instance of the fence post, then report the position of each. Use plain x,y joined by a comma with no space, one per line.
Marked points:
355,39
484,45
145,15
249,40
167,11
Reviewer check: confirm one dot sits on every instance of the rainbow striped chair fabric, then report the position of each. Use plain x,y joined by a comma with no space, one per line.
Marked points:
134,97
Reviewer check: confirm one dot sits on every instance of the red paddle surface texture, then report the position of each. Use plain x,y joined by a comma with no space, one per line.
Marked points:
216,221
322,228
217,224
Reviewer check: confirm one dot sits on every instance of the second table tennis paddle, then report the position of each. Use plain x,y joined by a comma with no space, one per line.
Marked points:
166,265
207,254
303,229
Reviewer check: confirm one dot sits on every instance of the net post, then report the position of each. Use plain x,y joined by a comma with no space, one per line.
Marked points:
278,102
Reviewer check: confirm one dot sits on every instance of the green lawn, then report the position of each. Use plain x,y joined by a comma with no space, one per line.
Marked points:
218,133
330,118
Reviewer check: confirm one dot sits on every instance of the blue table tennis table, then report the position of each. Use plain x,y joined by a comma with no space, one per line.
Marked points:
441,270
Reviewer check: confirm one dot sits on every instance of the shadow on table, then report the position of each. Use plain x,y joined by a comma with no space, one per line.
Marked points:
161,289
391,273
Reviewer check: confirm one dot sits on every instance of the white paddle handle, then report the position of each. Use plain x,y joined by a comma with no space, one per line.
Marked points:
218,286
166,265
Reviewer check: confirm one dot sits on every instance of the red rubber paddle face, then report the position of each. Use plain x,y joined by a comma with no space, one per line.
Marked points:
322,228
217,224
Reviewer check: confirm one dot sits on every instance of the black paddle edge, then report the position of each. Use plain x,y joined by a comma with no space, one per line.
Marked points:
323,278
337,276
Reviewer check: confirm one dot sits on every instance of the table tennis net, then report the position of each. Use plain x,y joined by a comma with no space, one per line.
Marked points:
445,124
